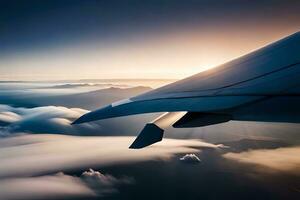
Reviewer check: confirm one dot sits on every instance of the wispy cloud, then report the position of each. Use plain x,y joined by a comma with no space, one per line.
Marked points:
271,160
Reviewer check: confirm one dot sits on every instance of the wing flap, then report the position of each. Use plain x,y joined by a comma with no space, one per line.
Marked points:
195,119
150,134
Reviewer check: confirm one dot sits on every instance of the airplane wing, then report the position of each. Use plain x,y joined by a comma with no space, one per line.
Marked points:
260,86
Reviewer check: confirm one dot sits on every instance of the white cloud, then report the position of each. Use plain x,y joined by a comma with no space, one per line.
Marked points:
45,119
96,176
190,158
103,184
9,117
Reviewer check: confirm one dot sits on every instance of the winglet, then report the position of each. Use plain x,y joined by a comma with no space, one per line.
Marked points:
150,134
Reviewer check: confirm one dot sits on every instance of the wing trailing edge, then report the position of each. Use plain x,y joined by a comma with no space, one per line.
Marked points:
153,132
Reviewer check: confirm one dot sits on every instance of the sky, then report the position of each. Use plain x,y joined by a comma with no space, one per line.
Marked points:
59,40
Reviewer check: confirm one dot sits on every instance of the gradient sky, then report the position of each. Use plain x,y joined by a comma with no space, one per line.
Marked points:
48,40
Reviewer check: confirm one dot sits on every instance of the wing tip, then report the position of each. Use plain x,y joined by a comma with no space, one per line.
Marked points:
84,118
77,121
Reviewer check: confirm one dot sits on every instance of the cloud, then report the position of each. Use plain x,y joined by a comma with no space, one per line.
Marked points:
76,85
44,187
7,118
44,154
190,158
90,184
271,160
57,120
106,183
27,160
45,119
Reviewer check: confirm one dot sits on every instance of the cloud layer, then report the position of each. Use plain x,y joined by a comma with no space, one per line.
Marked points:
44,187
27,161
42,154
90,184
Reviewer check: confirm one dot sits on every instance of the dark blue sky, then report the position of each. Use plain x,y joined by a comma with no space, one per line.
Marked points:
34,24
134,38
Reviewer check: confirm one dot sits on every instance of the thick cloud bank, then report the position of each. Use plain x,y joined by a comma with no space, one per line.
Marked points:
45,119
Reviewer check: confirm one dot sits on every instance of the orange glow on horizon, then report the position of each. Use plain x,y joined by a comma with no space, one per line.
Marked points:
172,55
